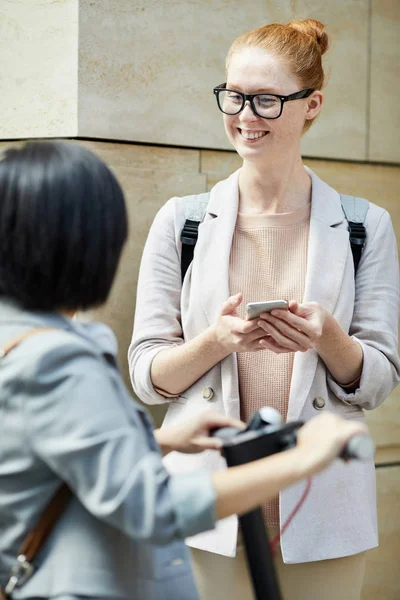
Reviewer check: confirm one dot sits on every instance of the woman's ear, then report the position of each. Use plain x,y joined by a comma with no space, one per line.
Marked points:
314,104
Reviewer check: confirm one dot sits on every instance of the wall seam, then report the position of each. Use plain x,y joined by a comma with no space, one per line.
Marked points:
368,83
77,68
373,163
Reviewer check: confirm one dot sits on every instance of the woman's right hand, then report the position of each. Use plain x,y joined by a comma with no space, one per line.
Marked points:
234,334
323,438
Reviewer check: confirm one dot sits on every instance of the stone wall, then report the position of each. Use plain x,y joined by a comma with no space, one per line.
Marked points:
147,70
143,71
38,68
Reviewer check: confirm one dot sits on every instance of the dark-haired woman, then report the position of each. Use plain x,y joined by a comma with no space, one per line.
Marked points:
66,417
274,230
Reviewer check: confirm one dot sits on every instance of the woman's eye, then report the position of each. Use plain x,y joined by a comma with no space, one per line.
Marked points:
234,97
267,101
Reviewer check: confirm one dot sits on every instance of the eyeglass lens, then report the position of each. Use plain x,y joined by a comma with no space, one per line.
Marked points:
266,105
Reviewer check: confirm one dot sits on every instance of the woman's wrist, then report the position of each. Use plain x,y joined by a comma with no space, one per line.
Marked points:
342,355
175,369
219,348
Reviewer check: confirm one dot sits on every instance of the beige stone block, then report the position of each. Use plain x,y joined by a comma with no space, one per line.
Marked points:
153,158
384,424
341,129
218,165
388,455
384,140
38,68
377,183
382,579
147,70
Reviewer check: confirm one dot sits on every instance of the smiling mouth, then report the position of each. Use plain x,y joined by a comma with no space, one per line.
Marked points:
252,135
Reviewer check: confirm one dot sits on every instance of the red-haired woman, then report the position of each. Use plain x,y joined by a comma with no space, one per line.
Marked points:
274,230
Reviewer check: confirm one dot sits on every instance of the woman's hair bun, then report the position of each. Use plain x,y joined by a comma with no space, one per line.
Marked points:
315,29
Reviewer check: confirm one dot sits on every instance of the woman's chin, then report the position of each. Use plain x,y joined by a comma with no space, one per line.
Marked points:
252,154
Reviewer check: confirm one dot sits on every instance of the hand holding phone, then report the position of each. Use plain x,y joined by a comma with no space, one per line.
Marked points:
254,309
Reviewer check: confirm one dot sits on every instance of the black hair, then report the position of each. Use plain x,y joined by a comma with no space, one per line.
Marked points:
63,225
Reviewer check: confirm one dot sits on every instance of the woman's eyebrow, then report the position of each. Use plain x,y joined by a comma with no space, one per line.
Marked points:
261,90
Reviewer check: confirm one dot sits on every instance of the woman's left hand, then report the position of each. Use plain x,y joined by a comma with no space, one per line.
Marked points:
294,330
193,435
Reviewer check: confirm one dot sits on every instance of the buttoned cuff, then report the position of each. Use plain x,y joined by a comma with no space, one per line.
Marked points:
194,498
349,387
141,378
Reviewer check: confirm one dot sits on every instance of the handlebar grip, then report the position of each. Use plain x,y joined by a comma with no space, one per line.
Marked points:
360,447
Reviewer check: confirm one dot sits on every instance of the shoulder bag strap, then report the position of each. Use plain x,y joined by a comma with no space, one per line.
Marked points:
36,538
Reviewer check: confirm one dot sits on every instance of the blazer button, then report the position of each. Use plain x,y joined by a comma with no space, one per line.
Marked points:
208,393
318,403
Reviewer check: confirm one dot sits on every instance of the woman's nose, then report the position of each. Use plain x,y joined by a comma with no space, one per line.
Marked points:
247,113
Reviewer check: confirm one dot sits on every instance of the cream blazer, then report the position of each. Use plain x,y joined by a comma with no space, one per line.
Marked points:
339,517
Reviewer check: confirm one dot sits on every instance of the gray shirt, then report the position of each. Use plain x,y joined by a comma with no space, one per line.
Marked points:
65,415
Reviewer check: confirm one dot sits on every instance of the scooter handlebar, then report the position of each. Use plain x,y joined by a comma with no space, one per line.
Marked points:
359,447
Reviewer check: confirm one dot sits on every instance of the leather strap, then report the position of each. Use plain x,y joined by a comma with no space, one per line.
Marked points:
36,538
10,345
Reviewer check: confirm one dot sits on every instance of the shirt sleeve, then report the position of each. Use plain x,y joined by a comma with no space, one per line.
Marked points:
375,320
158,314
81,421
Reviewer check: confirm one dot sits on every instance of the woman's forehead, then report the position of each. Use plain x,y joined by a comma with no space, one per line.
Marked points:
258,70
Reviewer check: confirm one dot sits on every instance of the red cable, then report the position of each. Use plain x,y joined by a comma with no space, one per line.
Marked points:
277,537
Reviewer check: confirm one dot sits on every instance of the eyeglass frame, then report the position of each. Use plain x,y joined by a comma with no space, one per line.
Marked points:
250,98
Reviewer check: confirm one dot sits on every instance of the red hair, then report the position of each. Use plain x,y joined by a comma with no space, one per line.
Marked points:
300,44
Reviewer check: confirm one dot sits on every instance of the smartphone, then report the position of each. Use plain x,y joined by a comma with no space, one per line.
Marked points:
254,309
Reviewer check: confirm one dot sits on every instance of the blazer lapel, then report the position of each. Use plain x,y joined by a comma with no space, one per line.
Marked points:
328,250
210,273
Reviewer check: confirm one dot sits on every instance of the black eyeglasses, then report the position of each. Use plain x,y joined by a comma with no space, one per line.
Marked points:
266,106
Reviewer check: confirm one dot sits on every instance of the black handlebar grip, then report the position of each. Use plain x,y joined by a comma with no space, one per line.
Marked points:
360,447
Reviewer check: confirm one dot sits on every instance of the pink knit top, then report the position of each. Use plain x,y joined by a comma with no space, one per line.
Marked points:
268,261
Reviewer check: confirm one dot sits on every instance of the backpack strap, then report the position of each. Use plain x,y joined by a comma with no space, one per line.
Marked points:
355,210
195,209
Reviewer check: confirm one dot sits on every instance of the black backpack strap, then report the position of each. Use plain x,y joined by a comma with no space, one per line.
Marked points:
189,237
355,210
195,209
